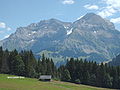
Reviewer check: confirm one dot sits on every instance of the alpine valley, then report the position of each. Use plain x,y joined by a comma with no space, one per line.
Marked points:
90,37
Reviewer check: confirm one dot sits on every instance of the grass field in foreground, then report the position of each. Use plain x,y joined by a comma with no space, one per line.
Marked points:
34,84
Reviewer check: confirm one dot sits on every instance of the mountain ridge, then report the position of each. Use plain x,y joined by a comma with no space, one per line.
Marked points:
91,36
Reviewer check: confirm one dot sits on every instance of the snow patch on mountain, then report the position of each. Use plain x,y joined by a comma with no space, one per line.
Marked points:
31,41
34,32
95,32
66,27
29,34
69,31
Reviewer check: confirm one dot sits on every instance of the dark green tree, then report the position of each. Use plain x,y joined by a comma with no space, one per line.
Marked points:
107,81
5,66
18,66
1,57
65,74
71,68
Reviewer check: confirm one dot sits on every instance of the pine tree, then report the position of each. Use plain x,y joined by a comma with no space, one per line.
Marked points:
107,81
1,57
92,80
115,78
71,68
5,66
44,65
64,74
39,68
49,67
31,65
86,77
19,67
100,74
11,60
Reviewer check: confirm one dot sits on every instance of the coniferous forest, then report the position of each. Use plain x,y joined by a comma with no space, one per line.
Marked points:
75,70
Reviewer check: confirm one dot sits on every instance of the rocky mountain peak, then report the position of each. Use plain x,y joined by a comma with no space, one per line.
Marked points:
50,21
93,20
90,16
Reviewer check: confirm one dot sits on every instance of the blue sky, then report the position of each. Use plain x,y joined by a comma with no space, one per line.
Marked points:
16,13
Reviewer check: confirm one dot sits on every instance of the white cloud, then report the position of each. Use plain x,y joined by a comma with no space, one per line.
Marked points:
8,28
112,7
113,3
107,12
68,2
95,7
115,20
2,25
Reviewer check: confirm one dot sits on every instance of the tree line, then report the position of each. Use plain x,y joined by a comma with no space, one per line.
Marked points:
25,64
90,73
75,70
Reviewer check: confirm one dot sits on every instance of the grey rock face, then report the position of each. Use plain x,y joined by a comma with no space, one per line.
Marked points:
92,37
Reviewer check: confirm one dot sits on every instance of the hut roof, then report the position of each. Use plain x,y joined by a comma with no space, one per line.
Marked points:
45,77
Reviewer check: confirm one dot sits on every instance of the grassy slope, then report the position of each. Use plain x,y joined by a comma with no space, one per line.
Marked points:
34,84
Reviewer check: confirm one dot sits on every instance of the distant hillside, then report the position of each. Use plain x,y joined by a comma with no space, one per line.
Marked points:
115,61
90,37
34,84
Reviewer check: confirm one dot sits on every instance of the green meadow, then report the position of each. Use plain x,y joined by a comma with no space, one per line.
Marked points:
34,84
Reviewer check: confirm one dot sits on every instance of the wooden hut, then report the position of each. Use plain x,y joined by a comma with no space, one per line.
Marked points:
45,78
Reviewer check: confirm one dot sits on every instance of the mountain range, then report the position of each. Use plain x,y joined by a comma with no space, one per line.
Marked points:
90,37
